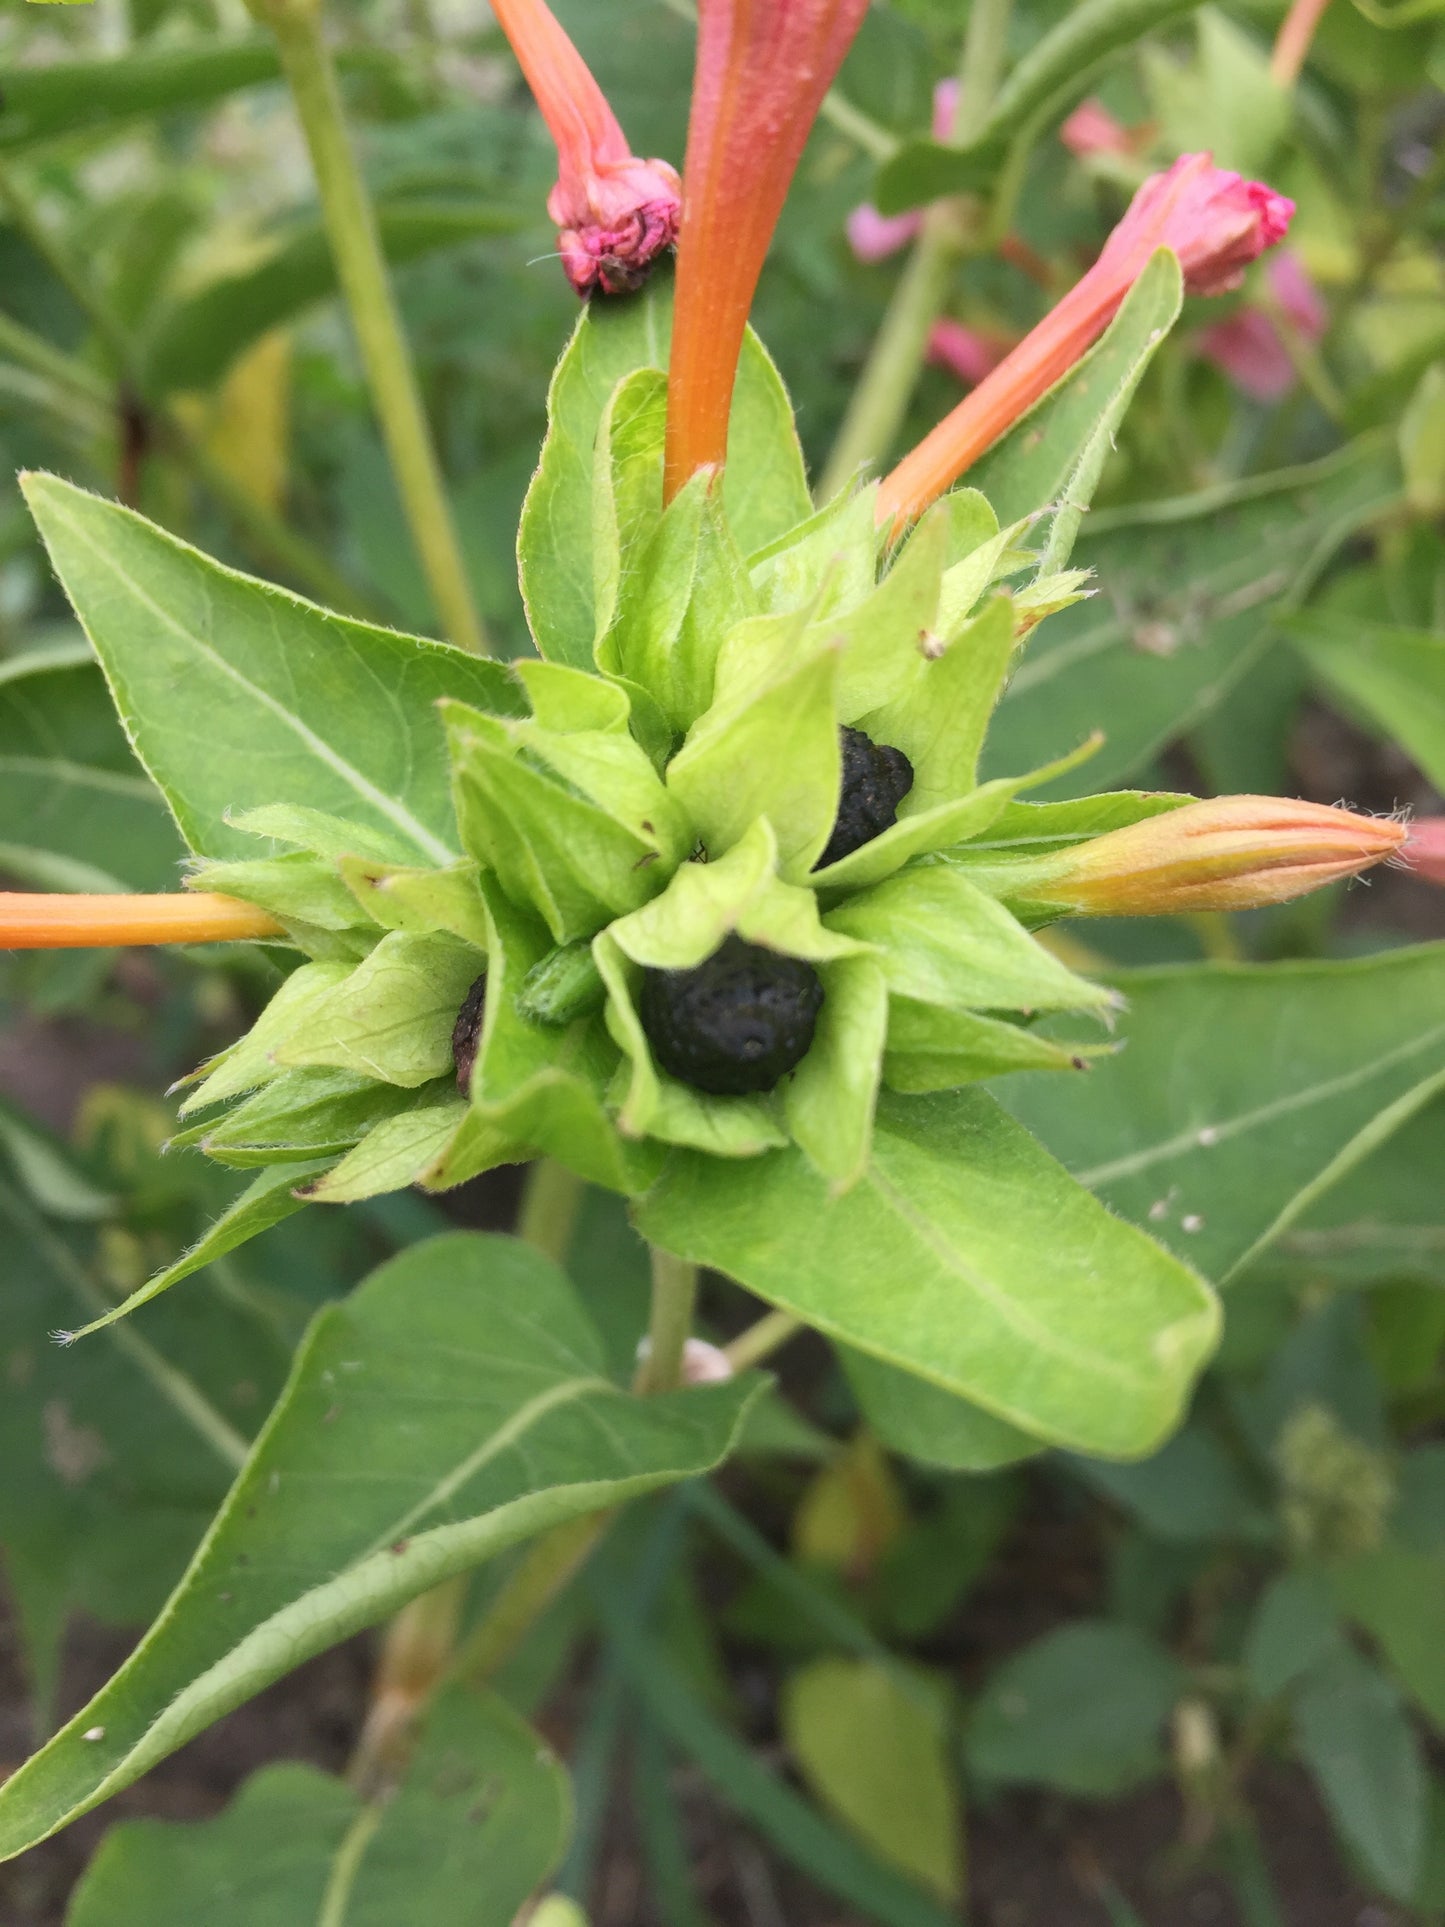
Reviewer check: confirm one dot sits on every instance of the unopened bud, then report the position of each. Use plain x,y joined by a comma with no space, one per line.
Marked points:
1233,853
1424,850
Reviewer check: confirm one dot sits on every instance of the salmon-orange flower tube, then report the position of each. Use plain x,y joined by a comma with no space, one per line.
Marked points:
763,67
1424,850
615,214
1231,853
1215,221
59,922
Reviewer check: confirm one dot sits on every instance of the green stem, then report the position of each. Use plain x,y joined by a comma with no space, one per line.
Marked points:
761,1340
361,268
880,401
551,1199
548,1567
674,1298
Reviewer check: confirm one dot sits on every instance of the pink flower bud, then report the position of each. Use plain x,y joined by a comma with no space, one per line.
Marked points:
615,214
965,352
874,236
1233,853
1424,850
1247,346
1214,221
1092,129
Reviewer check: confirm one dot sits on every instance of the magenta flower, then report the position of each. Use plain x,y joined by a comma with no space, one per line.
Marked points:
1247,346
1092,129
965,352
615,214
1214,221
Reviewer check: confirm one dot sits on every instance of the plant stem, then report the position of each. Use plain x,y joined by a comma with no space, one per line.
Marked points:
880,401
551,1198
415,1658
761,1340
547,1568
1292,43
270,536
674,1298
361,268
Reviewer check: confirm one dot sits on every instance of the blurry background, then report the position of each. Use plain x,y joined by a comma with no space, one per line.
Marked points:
1122,1640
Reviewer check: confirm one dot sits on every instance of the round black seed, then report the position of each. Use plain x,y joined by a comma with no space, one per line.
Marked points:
876,779
737,1022
467,1032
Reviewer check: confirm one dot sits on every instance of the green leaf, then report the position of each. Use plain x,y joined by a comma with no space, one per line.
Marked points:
237,694
475,1827
76,812
1188,591
305,1114
1052,457
764,487
1355,1739
1398,1595
929,1424
1396,676
878,1756
392,1018
1244,1092
1081,1709
1055,71
1190,1489
452,1406
931,1048
1382,1219
67,97
196,339
1095,1347
399,1151
1295,1626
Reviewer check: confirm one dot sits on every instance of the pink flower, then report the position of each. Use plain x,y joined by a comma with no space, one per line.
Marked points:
1214,221
1247,346
1092,129
1424,850
615,214
763,67
965,352
874,236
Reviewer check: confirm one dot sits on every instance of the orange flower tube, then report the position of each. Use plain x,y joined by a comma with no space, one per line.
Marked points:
1424,850
763,67
59,922
615,214
1215,221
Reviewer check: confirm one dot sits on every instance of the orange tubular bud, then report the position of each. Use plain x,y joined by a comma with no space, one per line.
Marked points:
1216,222
615,214
1233,853
763,67
1424,850
56,922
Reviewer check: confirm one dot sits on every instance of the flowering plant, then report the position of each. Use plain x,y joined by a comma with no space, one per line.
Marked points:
722,900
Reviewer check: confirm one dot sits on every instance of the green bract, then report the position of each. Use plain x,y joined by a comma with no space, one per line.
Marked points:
664,778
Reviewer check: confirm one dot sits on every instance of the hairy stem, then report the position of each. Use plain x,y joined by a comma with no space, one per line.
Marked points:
361,268
880,401
551,1198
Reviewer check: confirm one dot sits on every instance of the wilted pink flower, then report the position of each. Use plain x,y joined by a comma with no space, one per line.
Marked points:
1424,850
965,352
1214,221
1247,346
763,67
615,214
1092,129
874,236
1233,853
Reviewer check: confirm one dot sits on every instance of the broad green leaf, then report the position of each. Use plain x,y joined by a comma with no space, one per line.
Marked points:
1244,1091
1052,457
1296,1624
68,97
1188,592
236,694
196,339
878,1757
1190,1489
1354,1737
450,1407
1082,1709
1383,1218
75,812
764,487
1398,1595
1396,676
966,1256
1055,71
931,1425
476,1825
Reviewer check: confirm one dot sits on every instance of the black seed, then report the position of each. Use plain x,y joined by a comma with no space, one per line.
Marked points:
875,781
737,1022
467,1033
